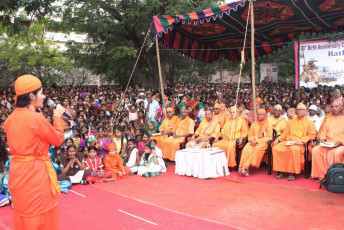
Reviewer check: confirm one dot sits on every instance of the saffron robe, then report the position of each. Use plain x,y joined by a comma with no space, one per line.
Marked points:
171,145
278,124
291,158
324,157
34,203
115,164
240,130
261,131
169,124
205,130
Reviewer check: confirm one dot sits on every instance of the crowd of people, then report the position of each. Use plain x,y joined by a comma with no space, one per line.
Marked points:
114,132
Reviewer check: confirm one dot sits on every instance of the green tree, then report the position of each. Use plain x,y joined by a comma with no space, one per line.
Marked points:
27,52
116,30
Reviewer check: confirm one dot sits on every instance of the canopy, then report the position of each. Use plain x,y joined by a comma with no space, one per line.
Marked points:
218,32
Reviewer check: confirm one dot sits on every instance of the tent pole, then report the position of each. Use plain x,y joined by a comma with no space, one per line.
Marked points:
298,63
221,75
160,75
253,63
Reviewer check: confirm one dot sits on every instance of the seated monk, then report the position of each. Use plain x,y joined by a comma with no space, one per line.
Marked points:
168,126
225,111
171,144
239,132
218,115
277,121
290,158
209,127
258,136
333,132
114,163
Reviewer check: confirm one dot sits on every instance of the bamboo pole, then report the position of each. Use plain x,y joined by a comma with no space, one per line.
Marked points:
299,71
221,77
253,62
160,74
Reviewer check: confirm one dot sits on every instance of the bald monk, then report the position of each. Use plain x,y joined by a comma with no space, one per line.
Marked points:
290,158
333,132
258,136
239,132
32,179
218,115
172,144
277,121
168,126
209,127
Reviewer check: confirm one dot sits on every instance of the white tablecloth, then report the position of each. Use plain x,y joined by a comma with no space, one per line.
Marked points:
201,163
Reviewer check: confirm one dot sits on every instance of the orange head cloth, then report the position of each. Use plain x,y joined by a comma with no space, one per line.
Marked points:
170,109
26,84
301,106
111,146
262,111
279,107
217,105
259,100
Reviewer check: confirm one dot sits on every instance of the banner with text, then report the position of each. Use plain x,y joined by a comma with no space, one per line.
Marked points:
321,62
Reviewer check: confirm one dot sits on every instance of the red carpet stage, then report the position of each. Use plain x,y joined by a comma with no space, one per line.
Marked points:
178,202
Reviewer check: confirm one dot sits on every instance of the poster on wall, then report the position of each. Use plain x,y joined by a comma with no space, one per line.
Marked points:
268,72
321,62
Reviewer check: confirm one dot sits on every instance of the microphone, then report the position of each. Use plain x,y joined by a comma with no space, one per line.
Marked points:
52,104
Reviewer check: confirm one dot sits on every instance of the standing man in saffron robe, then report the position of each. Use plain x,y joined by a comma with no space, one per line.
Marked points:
258,136
172,144
32,179
277,121
333,131
290,158
218,115
239,132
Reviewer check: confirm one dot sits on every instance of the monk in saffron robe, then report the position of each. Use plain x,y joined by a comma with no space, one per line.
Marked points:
290,158
221,117
209,127
230,135
114,163
277,121
333,132
168,126
33,182
258,136
225,111
172,144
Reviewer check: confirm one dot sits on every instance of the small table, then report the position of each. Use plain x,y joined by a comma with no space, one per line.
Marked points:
201,163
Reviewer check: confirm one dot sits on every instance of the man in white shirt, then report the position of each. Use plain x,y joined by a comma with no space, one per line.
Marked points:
312,115
201,112
152,107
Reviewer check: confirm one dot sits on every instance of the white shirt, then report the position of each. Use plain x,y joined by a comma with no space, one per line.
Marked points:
153,107
316,120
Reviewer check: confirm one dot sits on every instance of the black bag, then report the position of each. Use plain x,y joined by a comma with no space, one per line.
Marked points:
334,178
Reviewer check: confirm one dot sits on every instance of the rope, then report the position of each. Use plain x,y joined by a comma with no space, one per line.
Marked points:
237,92
132,72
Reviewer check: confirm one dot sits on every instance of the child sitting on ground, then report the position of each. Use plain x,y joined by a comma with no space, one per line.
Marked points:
149,163
114,163
159,156
94,163
134,156
143,143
